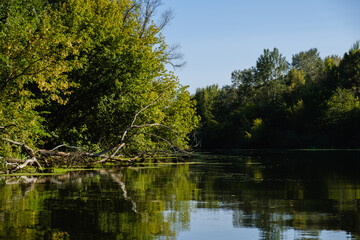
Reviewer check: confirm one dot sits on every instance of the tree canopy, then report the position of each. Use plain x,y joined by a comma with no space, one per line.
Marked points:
311,103
83,72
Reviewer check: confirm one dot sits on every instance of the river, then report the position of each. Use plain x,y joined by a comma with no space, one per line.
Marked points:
238,195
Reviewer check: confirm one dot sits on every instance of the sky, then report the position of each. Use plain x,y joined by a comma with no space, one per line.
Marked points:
218,37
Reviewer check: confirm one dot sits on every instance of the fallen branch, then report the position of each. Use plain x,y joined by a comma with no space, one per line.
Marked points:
29,151
25,147
104,158
66,146
132,125
113,155
14,161
49,157
141,110
130,160
49,153
27,162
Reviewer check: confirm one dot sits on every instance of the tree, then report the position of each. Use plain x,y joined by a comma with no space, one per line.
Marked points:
310,63
244,77
342,106
271,65
205,102
206,106
313,104
349,69
124,71
90,72
295,79
33,58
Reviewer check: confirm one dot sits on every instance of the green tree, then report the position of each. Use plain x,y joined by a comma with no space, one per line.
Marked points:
310,63
349,69
243,77
33,58
123,74
90,73
205,102
312,104
206,106
342,106
295,79
271,65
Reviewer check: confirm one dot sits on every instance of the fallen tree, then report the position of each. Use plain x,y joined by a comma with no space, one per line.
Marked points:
54,157
18,164
78,156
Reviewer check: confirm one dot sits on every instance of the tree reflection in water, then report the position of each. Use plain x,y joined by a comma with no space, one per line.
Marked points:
281,195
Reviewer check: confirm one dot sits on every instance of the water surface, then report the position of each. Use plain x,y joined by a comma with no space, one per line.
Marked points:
242,195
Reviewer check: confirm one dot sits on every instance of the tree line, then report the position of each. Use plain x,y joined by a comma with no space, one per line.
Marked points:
89,74
308,103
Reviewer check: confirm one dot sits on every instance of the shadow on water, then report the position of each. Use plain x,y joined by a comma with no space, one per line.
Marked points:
242,194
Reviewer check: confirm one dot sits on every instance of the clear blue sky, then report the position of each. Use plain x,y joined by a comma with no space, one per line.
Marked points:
218,37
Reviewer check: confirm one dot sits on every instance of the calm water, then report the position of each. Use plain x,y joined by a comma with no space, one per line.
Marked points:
260,195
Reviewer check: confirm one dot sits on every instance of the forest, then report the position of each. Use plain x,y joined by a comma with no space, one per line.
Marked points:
84,79
308,103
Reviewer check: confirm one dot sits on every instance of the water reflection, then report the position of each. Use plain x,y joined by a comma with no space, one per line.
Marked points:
272,195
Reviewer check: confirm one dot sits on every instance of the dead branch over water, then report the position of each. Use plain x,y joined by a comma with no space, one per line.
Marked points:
80,157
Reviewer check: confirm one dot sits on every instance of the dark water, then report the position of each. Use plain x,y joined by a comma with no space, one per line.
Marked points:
244,195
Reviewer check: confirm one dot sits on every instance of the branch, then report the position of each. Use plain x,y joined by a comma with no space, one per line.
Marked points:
153,125
120,146
130,160
28,149
127,11
67,146
122,139
113,155
166,17
141,110
146,107
65,154
10,78
148,12
163,139
48,153
27,162
173,56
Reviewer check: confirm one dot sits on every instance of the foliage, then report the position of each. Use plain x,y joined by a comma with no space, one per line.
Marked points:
342,105
33,55
313,104
309,63
79,71
255,130
349,69
270,65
